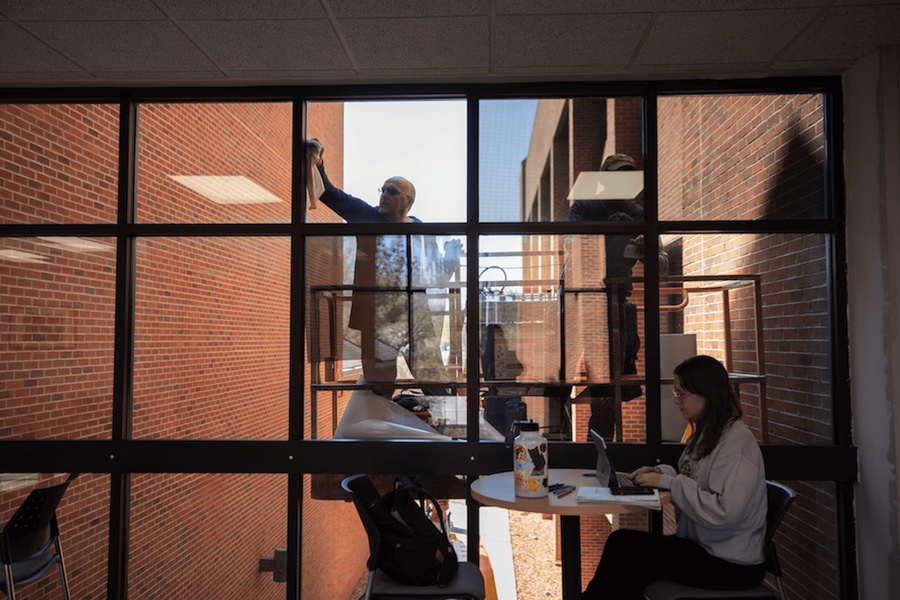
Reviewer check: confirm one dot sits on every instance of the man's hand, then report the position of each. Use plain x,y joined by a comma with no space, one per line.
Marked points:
315,150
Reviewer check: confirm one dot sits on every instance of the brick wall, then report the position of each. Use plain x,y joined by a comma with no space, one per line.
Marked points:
211,340
761,157
726,158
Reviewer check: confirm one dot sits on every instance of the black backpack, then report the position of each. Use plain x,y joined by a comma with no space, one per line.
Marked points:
414,550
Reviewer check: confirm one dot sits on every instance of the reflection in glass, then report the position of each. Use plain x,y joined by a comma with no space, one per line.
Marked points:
59,163
214,163
742,157
57,315
387,322
561,322
211,338
369,143
537,157
759,303
203,535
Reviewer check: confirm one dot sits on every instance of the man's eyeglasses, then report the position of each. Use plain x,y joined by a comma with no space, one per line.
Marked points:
392,191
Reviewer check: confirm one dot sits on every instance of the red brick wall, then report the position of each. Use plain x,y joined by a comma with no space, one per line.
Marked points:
58,165
735,157
761,157
211,346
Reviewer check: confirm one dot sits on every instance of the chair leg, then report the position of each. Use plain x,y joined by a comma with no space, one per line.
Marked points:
780,584
62,571
10,586
370,582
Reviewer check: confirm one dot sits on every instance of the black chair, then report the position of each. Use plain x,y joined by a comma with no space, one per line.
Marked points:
468,583
28,538
780,499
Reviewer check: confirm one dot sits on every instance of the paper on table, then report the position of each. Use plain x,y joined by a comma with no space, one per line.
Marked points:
603,495
369,416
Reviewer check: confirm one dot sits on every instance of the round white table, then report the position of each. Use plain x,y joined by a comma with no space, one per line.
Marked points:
498,490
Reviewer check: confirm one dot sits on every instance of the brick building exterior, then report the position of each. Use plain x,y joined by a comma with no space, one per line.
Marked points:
211,348
748,157
212,313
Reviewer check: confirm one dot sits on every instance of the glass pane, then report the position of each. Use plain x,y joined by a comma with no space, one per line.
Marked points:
211,338
59,163
386,322
83,518
327,510
761,307
202,535
807,542
57,318
214,163
369,143
539,157
742,157
561,324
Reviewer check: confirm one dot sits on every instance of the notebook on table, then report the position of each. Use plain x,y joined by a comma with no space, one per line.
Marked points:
614,486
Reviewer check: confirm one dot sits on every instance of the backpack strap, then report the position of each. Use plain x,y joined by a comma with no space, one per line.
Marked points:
407,511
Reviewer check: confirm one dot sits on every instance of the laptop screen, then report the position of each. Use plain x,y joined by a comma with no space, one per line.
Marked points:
607,185
605,472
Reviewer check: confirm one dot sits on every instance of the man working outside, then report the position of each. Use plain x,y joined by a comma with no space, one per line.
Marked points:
390,308
622,252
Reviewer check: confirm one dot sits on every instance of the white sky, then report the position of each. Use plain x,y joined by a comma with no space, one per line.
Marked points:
423,141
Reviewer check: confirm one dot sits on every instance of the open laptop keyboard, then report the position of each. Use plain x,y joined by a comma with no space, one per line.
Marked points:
625,480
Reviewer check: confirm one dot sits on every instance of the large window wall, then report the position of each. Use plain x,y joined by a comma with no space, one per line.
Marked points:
178,315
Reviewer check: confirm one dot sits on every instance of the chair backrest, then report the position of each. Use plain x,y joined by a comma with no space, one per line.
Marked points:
780,498
364,495
33,526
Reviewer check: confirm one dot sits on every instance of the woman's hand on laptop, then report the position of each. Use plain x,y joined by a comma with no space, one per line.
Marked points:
647,476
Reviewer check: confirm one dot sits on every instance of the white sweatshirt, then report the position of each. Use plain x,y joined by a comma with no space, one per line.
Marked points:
721,500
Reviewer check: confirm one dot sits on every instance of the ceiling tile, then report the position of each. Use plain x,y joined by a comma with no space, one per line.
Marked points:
56,10
291,75
242,9
562,7
831,67
731,5
377,9
567,39
446,42
37,78
167,76
846,33
21,51
297,45
123,45
724,37
434,74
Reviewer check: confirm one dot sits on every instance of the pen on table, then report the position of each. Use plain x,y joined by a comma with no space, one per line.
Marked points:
565,492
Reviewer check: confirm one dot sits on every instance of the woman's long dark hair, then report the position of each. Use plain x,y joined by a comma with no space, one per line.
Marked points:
705,376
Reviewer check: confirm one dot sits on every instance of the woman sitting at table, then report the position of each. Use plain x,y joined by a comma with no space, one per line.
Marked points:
719,493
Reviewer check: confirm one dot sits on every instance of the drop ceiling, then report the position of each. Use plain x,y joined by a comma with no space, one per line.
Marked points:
256,42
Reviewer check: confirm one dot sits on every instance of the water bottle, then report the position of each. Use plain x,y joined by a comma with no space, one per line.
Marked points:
530,468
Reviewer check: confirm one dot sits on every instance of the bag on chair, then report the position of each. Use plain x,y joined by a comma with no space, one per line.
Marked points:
414,549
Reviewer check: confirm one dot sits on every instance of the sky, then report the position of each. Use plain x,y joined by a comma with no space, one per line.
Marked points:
425,142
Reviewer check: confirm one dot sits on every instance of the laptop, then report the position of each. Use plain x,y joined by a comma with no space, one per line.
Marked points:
619,484
607,185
